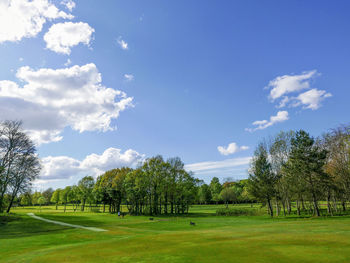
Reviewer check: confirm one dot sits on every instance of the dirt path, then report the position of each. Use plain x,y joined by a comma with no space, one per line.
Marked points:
66,224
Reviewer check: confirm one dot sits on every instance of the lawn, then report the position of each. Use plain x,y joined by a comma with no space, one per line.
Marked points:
173,239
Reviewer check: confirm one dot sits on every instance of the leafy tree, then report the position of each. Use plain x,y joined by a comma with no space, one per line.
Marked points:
48,194
215,188
306,165
227,195
261,178
204,194
56,197
66,196
26,198
86,186
41,201
35,198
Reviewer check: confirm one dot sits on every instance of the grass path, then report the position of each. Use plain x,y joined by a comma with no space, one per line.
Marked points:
66,224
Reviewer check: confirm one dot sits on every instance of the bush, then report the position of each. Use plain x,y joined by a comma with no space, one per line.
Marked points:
237,212
95,210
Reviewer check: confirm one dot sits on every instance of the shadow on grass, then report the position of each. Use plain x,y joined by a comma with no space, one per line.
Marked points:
16,226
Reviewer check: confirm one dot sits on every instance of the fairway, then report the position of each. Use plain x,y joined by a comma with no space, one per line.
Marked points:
172,238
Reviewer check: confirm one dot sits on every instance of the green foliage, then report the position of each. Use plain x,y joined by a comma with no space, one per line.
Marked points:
237,212
261,179
215,188
204,194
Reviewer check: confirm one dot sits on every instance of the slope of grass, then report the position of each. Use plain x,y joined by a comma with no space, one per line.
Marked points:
172,238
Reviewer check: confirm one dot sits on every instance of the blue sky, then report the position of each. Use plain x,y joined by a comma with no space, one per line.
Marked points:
190,76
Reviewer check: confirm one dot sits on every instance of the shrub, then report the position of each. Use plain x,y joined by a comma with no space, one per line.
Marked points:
237,212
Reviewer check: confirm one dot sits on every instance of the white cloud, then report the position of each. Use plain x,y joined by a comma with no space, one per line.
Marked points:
68,62
281,116
290,83
69,4
217,166
64,167
312,99
24,18
51,100
59,167
122,43
62,36
129,77
231,148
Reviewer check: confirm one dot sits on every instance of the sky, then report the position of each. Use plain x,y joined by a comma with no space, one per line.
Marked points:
105,84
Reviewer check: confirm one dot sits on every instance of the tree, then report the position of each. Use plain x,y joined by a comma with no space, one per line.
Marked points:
23,174
26,198
261,178
18,161
227,194
66,196
86,186
215,188
279,151
306,165
48,194
337,143
41,201
56,197
35,198
204,194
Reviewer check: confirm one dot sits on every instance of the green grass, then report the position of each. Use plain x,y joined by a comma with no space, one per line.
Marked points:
172,239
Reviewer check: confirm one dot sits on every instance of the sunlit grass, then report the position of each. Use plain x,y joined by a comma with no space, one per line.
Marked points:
172,238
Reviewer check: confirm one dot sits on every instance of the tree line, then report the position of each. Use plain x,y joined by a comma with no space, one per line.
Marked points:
293,168
156,187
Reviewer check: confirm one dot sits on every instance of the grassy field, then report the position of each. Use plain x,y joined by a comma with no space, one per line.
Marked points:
172,238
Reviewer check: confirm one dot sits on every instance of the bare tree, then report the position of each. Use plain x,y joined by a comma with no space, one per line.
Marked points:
20,165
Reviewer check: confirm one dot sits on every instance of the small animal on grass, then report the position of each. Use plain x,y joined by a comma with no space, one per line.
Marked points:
192,223
151,218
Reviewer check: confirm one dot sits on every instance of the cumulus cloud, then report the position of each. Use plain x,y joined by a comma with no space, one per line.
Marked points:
290,83
312,99
64,167
231,148
24,18
129,77
61,37
281,116
52,99
122,43
282,86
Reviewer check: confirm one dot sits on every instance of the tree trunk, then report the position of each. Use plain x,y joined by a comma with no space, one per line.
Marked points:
284,207
166,203
83,206
277,207
315,204
343,205
270,207
302,204
298,208
335,204
329,207
11,202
